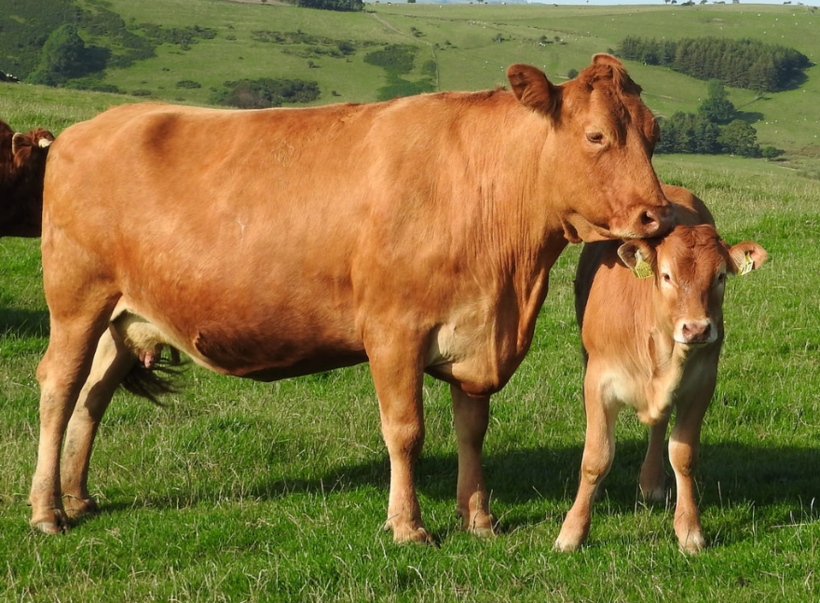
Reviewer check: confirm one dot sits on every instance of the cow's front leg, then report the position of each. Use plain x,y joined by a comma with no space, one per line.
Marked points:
111,364
397,375
652,480
599,450
471,415
684,447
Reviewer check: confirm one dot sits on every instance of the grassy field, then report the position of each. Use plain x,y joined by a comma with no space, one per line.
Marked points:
242,491
246,491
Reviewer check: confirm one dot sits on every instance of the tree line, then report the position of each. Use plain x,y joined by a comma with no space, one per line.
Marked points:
749,64
714,129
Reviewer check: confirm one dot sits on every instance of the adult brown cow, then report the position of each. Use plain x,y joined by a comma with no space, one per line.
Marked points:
653,344
416,234
22,168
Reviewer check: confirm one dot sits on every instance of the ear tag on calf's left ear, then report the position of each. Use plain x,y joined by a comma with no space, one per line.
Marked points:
642,269
748,264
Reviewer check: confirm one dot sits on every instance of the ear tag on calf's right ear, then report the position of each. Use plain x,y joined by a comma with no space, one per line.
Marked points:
748,264
642,269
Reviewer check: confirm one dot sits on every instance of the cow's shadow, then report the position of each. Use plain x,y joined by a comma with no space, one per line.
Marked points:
24,323
730,474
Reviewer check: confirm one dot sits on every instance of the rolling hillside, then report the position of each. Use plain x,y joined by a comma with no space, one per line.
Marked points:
458,47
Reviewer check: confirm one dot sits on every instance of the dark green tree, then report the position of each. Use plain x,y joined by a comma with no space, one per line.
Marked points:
739,138
62,57
717,108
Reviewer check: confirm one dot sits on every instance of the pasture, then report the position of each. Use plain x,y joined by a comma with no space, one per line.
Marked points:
244,491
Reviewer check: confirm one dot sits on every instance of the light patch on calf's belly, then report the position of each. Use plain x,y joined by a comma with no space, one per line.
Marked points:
619,384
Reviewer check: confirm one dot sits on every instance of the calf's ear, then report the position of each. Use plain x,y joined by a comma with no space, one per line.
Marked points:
746,256
640,257
532,89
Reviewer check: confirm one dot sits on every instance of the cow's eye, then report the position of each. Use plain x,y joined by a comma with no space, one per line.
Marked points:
595,137
666,277
721,278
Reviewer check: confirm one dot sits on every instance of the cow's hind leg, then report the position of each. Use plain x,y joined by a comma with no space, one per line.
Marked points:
397,375
599,451
471,415
653,477
61,374
112,362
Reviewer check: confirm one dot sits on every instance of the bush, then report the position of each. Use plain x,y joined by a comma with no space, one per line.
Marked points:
188,84
265,92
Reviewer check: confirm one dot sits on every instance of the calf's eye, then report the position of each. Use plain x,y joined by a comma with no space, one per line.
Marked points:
595,137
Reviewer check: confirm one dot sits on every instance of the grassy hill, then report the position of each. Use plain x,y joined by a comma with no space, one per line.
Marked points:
462,43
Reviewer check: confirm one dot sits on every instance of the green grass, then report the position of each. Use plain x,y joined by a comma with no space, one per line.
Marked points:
242,491
247,491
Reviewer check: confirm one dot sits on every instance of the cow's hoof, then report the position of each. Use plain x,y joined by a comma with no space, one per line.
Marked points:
77,507
56,523
567,542
409,533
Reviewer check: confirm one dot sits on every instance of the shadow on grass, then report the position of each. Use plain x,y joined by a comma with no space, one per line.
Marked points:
731,476
24,323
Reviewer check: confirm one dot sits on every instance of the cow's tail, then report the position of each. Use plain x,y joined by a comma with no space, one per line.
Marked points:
156,381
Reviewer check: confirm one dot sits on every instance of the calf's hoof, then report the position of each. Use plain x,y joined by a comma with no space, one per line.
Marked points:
655,494
77,507
55,522
692,544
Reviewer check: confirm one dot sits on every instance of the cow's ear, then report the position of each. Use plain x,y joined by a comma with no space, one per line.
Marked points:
19,142
746,256
532,89
639,257
42,138
606,59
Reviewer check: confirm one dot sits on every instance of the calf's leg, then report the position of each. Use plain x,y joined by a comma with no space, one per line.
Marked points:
652,474
471,416
112,361
599,450
684,446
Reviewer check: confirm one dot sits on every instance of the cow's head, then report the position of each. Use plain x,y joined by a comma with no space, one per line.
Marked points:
22,169
602,136
689,267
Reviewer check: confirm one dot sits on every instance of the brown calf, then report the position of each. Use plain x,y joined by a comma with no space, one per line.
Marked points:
653,344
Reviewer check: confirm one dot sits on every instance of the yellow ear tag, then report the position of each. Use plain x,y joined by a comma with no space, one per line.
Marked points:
747,266
642,269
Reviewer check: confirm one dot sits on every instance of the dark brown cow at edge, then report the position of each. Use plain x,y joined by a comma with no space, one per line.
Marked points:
22,169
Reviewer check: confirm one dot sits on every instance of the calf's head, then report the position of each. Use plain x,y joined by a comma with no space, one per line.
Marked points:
22,169
599,149
689,267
